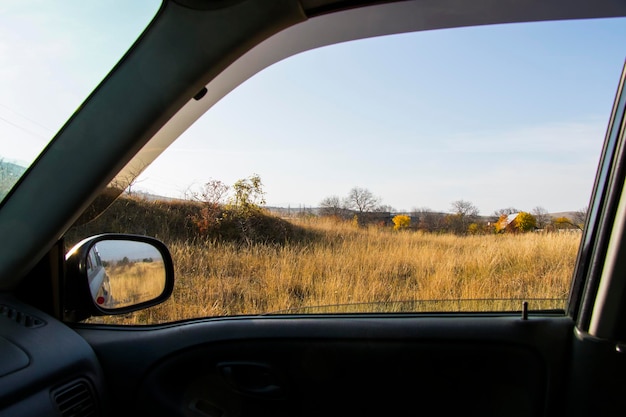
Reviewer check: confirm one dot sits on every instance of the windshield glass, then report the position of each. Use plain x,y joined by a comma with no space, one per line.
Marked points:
52,55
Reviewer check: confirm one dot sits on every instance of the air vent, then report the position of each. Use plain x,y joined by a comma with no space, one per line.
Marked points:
76,400
20,318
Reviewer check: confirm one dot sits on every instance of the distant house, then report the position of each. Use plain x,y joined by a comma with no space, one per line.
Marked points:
506,224
510,222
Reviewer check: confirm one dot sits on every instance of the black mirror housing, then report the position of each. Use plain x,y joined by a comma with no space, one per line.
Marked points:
112,274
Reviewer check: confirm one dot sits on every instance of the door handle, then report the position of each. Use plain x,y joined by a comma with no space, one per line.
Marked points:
252,378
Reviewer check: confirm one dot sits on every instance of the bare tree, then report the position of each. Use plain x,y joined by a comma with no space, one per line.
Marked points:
427,220
580,217
211,193
464,214
464,208
361,200
332,206
541,216
126,181
505,211
127,178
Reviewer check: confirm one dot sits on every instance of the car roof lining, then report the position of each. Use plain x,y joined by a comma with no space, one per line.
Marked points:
201,50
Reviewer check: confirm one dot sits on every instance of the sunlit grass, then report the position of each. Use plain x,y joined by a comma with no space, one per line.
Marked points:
370,270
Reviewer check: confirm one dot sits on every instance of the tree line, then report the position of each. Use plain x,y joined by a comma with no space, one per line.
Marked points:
361,205
244,199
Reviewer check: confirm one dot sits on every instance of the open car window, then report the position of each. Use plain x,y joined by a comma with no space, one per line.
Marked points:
53,56
440,171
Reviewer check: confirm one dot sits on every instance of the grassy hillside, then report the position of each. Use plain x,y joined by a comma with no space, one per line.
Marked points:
180,221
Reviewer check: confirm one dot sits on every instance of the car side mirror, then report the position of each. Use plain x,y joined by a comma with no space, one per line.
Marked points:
116,274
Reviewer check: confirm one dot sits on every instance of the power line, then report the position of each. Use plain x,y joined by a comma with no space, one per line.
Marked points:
23,128
26,118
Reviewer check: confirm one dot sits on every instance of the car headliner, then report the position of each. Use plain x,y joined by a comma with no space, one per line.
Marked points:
146,101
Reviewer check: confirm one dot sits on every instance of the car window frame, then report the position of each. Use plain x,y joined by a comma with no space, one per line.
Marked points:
31,248
597,290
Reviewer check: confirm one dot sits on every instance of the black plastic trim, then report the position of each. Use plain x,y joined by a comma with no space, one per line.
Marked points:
605,199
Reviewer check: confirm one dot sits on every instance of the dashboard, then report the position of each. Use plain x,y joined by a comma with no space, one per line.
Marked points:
46,368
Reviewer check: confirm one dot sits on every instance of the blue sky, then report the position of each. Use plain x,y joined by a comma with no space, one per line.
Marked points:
507,115
52,55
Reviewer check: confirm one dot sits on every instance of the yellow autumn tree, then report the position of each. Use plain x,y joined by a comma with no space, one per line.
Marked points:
525,222
565,223
401,221
501,224
473,229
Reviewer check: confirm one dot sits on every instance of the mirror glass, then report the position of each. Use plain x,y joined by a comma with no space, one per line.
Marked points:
123,273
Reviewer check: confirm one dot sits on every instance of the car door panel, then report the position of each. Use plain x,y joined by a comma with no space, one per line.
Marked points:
488,366
596,382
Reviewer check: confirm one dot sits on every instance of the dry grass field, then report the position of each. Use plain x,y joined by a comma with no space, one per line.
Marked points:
368,270
136,282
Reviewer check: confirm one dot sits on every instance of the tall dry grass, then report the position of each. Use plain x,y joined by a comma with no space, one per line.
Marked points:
135,282
365,270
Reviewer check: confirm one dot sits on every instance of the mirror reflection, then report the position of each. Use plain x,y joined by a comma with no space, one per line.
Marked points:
123,273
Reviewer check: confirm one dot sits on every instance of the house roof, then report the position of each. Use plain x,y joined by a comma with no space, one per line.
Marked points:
510,218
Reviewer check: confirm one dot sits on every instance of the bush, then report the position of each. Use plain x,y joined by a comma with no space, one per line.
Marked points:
401,221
